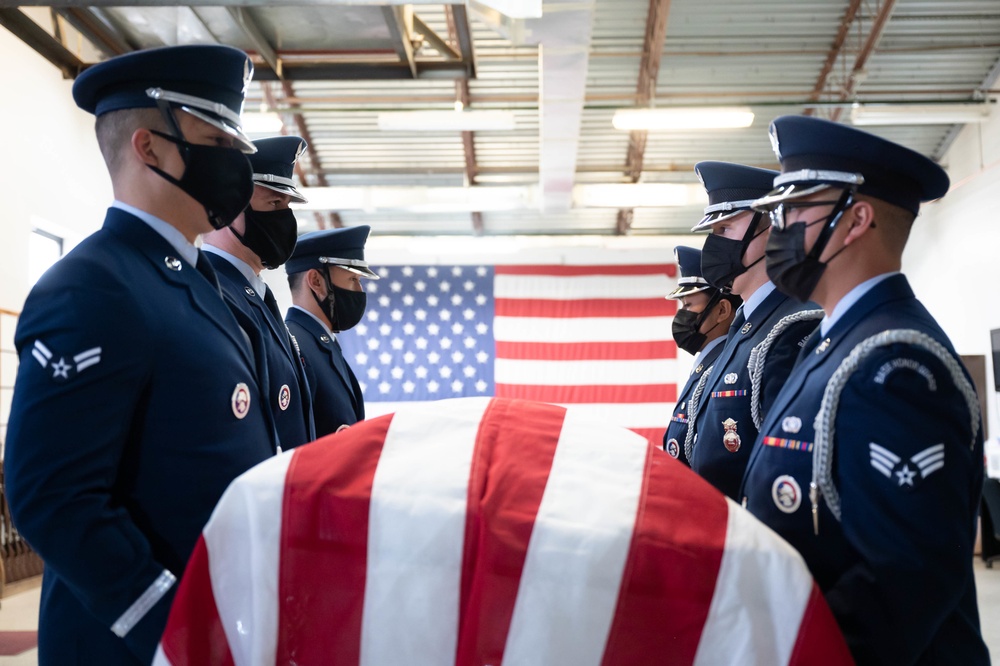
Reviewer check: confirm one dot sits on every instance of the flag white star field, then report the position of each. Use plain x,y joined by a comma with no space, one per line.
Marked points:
593,338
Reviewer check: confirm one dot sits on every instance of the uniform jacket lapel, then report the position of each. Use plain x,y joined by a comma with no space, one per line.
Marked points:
327,343
158,251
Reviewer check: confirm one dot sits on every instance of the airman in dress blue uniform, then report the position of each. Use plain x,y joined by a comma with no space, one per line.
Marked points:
324,275
263,237
136,400
727,405
699,328
869,461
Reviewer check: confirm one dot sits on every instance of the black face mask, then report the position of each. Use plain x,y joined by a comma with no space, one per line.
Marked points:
791,270
220,179
342,306
794,271
270,234
722,258
686,325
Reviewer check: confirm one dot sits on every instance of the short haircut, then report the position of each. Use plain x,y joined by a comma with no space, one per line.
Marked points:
295,280
115,130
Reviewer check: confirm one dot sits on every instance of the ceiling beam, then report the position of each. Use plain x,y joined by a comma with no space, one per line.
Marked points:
434,39
48,47
458,21
468,138
400,33
245,21
361,71
104,38
879,24
834,53
649,70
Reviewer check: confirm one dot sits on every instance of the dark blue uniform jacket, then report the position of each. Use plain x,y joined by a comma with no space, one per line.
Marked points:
336,395
907,466
287,392
728,391
673,438
136,404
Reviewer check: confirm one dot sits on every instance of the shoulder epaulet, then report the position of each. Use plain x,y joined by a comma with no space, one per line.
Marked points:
822,476
758,356
693,405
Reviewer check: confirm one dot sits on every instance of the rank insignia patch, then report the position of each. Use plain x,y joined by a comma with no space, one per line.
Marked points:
62,368
906,473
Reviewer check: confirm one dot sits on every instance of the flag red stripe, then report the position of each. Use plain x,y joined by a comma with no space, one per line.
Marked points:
324,543
666,593
817,643
633,269
586,351
504,496
599,394
194,635
587,307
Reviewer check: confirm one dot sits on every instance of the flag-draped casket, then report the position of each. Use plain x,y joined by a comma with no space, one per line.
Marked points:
479,531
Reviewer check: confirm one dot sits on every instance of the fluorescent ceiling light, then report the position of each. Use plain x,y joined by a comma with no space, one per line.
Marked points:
919,114
445,121
261,123
683,118
639,195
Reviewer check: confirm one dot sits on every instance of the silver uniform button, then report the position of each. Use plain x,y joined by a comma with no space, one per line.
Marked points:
173,263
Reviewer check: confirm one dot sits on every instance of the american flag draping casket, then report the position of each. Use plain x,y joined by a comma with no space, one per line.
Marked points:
484,531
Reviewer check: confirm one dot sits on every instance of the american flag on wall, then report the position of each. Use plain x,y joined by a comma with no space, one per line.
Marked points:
594,338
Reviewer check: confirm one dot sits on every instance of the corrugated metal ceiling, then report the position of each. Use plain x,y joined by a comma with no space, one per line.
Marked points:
343,64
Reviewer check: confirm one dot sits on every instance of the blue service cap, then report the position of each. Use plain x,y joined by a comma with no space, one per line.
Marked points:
816,153
731,188
344,247
208,81
690,282
274,163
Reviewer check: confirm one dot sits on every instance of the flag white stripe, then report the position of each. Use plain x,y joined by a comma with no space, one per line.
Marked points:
641,415
638,415
581,329
584,373
416,536
579,287
245,580
579,544
761,593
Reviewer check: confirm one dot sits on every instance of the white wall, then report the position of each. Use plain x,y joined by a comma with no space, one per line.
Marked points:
953,257
50,166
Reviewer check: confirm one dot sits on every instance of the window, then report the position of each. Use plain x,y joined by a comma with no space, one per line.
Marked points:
44,249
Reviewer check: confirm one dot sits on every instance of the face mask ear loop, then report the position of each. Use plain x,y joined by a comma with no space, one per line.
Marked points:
749,236
846,201
712,302
174,127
